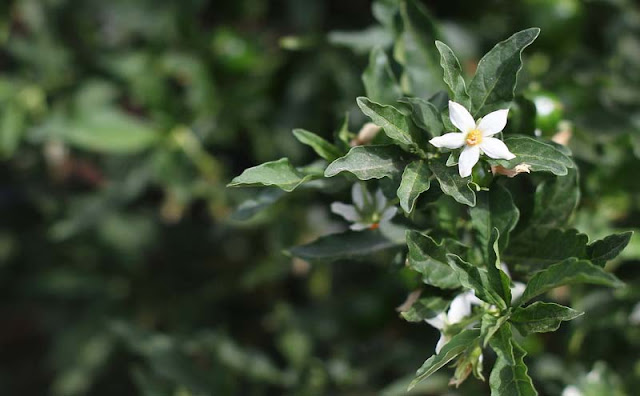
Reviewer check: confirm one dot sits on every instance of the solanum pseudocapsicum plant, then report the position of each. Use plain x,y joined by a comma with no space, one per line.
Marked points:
464,229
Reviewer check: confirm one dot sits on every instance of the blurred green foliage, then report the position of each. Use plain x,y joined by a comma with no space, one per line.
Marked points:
123,266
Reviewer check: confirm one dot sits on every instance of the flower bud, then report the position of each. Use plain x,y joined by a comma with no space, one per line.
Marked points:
366,134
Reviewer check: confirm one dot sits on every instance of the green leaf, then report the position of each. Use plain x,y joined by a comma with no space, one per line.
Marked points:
251,207
323,148
555,200
540,156
542,317
452,184
603,250
538,251
110,131
430,259
379,82
369,162
425,308
347,245
458,344
490,326
278,173
416,179
425,115
494,209
494,83
567,272
479,280
342,136
453,75
511,379
498,280
414,50
395,124
274,173
501,343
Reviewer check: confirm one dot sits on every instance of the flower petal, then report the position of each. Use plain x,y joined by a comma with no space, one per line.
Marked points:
441,342
381,200
451,140
348,212
459,309
496,149
493,122
357,195
468,158
517,290
359,226
388,214
437,321
460,117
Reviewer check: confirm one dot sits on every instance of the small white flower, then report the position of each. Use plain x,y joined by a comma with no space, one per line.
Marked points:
475,137
459,309
368,211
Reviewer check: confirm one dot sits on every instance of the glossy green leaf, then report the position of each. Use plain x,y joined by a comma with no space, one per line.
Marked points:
511,379
425,115
556,199
540,250
425,308
603,250
494,209
379,81
567,272
323,148
453,75
458,344
539,155
494,83
479,280
369,162
278,173
542,317
416,179
347,245
430,259
452,184
394,124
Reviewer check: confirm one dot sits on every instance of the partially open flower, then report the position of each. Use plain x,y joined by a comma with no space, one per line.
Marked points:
475,138
368,211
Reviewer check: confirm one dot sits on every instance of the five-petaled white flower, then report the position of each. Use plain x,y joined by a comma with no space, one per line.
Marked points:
369,211
475,137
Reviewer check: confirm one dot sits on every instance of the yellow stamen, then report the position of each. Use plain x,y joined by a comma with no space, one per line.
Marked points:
474,137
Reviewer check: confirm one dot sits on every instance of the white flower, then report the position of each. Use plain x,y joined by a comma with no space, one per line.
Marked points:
459,309
368,211
475,137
